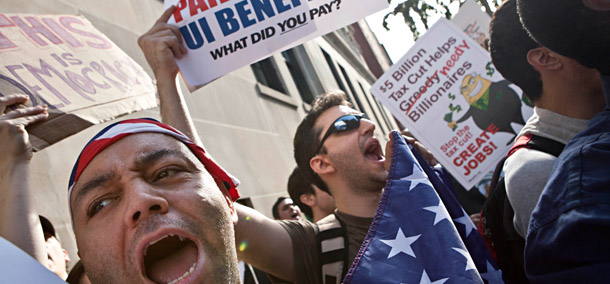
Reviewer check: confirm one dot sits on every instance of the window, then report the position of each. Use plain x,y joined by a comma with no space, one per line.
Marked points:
298,75
383,113
331,64
366,96
353,91
266,74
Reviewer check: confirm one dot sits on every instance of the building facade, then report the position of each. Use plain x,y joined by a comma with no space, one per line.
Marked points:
246,119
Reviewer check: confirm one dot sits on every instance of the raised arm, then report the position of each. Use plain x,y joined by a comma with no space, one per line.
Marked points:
161,45
19,223
263,243
266,244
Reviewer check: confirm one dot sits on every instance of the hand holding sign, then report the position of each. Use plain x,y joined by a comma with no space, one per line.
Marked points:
13,137
161,44
20,224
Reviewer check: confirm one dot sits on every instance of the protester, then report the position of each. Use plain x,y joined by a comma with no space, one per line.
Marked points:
19,223
340,146
266,243
569,229
58,257
552,82
285,209
147,203
157,204
315,203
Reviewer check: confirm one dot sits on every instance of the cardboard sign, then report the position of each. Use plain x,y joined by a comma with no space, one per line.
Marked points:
449,95
224,35
64,62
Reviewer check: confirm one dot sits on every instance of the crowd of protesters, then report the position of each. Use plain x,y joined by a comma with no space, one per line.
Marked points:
132,225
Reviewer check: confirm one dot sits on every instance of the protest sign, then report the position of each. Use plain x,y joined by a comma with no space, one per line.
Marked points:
474,22
64,62
16,266
449,95
222,36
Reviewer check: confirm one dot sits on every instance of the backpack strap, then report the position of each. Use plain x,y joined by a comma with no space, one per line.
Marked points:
497,214
546,145
332,249
539,143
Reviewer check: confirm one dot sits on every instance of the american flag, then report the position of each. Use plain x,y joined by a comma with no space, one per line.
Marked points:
420,233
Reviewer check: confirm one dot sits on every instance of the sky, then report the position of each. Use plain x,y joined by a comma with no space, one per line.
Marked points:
399,39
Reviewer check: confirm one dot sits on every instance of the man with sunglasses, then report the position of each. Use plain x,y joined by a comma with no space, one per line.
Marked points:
334,140
337,150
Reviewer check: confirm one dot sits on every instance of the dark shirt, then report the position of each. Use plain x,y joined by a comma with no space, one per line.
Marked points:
569,233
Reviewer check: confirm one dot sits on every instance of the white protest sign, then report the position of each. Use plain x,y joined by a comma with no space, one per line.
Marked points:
449,95
473,21
16,266
224,35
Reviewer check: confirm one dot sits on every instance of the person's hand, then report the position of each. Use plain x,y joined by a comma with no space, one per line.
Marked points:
388,152
20,224
13,136
161,45
419,147
426,154
476,218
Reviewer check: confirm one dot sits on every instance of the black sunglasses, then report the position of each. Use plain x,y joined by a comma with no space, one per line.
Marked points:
343,123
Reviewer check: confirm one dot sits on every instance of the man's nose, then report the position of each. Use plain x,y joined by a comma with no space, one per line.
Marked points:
366,126
143,201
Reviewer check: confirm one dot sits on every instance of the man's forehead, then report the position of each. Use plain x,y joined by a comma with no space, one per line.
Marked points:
137,145
134,150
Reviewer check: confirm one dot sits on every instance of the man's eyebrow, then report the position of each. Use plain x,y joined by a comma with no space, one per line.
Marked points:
92,184
152,157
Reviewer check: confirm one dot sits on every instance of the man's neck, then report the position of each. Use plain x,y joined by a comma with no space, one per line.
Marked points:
318,214
571,100
357,202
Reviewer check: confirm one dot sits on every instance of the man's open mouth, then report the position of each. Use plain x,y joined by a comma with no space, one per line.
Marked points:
170,259
373,151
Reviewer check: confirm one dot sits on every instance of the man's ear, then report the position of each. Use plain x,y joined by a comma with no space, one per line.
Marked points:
320,164
227,197
542,58
308,199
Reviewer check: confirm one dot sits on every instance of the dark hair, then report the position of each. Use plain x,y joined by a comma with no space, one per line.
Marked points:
509,45
298,185
569,28
275,208
306,139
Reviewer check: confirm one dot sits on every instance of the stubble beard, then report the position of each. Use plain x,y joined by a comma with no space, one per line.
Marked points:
220,252
360,178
